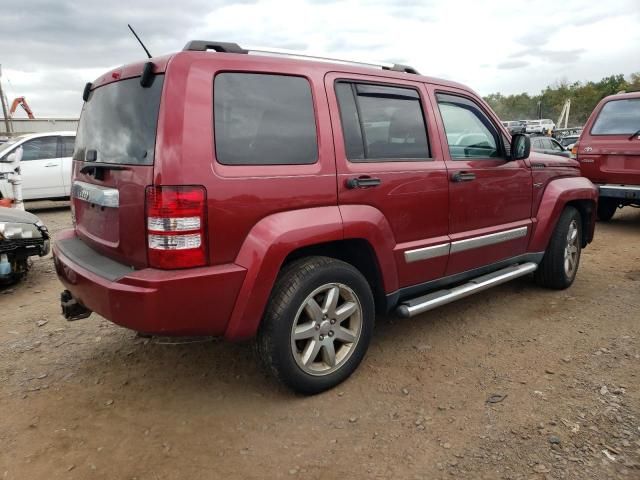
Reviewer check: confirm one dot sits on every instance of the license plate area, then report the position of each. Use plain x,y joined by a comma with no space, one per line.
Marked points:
97,212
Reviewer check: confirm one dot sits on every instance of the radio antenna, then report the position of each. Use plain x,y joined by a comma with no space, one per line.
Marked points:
138,38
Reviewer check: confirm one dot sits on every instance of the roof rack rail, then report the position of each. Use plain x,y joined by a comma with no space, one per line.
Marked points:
228,47
399,67
221,47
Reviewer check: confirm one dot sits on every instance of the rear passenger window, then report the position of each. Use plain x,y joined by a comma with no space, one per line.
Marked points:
470,133
381,123
40,148
264,119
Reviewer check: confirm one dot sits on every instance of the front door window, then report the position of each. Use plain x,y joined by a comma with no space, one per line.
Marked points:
470,134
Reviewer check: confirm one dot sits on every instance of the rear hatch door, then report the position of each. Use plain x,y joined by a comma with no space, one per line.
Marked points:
113,165
610,153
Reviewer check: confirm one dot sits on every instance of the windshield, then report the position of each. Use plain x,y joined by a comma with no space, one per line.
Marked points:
119,121
5,147
618,117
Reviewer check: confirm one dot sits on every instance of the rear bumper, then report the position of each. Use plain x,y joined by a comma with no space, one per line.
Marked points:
625,192
196,301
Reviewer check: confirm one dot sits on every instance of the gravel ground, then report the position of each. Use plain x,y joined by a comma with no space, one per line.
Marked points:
513,383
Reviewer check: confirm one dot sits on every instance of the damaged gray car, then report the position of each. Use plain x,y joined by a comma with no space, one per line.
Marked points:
22,235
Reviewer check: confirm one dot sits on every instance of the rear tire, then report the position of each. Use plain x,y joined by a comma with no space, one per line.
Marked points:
561,259
318,324
606,208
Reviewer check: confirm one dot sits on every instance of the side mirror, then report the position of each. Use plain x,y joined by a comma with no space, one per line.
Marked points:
11,158
520,146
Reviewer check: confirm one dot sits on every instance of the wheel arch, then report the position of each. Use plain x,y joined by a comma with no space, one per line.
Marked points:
357,252
284,236
587,210
578,192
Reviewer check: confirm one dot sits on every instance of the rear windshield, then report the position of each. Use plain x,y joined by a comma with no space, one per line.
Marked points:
119,122
568,140
618,117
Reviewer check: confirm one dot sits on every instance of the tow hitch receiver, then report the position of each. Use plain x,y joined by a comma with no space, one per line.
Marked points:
71,308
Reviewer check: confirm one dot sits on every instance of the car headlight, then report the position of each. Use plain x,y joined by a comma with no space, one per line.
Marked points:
15,231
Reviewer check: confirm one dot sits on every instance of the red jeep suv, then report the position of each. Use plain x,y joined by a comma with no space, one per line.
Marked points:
609,152
218,191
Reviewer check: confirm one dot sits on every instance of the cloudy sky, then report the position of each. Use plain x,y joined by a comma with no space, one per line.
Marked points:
50,48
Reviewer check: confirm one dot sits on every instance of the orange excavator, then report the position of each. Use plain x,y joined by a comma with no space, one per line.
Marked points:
25,106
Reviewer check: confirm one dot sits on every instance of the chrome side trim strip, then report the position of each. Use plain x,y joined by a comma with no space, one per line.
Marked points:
491,239
443,249
96,194
426,253
620,187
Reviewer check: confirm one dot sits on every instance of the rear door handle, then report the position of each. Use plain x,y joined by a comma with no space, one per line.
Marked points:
463,177
363,182
51,165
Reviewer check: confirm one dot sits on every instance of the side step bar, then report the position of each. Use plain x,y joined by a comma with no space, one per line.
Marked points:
416,306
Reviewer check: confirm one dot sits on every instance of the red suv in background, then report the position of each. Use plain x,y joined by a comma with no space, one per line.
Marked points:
609,152
291,199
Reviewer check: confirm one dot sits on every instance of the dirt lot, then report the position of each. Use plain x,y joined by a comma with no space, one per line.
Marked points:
91,400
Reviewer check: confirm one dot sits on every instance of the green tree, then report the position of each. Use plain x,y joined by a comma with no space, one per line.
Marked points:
584,97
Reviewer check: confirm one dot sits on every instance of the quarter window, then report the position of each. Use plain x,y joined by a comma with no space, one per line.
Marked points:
39,148
470,133
381,122
264,119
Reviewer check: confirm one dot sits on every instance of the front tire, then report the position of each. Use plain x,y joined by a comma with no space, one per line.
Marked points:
561,259
606,208
318,324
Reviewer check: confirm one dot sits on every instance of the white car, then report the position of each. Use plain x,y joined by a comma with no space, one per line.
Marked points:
45,167
540,126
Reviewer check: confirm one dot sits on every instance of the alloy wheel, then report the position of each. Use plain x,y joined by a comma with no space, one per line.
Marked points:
326,329
572,250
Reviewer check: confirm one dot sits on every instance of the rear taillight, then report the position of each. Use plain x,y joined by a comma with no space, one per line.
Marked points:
574,149
176,226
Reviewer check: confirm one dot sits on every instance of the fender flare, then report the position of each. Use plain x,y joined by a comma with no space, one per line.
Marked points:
370,224
557,194
276,236
263,252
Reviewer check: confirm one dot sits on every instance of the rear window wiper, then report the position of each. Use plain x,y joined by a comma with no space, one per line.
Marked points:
634,135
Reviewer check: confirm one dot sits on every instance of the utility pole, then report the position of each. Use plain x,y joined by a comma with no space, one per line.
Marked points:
564,115
5,108
539,109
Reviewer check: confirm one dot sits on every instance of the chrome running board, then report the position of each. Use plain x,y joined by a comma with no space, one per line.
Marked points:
416,306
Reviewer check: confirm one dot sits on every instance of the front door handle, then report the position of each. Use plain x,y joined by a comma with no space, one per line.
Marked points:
363,182
463,177
51,165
